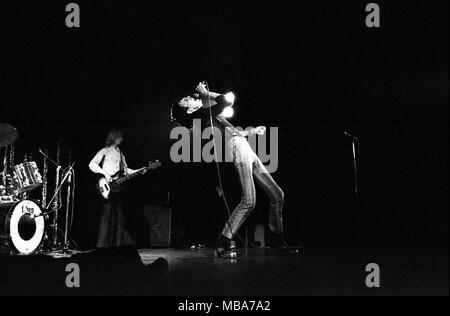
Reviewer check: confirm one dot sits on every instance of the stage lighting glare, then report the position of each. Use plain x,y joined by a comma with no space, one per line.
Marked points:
228,112
230,97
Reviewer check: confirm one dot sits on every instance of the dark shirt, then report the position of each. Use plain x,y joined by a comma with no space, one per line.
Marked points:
219,104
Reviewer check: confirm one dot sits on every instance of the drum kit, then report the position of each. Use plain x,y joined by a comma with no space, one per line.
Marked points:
24,221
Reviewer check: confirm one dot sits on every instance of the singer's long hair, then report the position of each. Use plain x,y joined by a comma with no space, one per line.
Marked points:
180,115
113,136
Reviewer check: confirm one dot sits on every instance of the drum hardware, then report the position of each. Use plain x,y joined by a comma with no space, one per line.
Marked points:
68,200
30,214
58,189
70,195
28,177
44,183
11,155
8,135
23,221
5,167
57,201
7,199
9,183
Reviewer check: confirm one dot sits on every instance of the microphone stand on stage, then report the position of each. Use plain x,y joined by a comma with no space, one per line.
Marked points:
355,148
55,199
358,216
66,245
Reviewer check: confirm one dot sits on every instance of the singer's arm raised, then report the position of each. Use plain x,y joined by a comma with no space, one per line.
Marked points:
206,95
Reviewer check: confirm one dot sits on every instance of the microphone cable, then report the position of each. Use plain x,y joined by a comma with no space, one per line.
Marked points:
219,177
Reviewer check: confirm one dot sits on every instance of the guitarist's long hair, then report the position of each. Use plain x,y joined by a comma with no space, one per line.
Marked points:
113,136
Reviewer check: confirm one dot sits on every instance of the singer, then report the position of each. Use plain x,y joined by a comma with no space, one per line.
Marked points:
247,165
108,162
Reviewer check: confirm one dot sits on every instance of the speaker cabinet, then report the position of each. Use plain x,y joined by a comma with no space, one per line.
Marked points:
159,220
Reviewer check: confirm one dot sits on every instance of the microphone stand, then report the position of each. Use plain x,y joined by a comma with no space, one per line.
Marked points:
5,169
355,153
55,209
56,203
69,172
66,226
66,245
355,149
55,200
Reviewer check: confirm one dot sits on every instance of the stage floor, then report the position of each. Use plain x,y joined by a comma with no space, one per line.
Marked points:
315,271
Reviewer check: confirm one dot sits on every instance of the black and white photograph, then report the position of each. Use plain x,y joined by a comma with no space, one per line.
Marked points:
224,156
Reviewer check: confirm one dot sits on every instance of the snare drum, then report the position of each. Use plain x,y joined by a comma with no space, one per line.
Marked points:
28,177
22,226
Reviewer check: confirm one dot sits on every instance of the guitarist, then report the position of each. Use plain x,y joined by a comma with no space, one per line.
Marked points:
108,162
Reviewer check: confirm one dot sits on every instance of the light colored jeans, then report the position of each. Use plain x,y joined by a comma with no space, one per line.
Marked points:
250,168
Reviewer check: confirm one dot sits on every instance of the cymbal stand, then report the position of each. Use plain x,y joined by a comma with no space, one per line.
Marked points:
5,167
56,202
64,250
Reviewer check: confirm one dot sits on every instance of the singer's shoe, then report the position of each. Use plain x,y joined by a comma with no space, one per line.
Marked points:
226,248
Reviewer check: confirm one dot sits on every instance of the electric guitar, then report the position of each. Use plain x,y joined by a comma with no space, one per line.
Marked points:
117,185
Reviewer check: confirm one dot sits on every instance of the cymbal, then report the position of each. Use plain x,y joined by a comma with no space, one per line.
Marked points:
8,134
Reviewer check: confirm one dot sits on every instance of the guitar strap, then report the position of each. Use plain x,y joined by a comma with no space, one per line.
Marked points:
122,167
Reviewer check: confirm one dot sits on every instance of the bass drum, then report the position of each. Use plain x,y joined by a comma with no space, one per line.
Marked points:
22,226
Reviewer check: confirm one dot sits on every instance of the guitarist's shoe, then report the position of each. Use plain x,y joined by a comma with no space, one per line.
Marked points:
225,248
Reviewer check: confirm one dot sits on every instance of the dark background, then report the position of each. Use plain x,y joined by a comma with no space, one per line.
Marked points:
311,68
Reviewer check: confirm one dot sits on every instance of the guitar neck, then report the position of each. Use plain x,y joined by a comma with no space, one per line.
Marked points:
130,176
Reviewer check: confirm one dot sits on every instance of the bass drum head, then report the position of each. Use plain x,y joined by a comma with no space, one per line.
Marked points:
25,231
